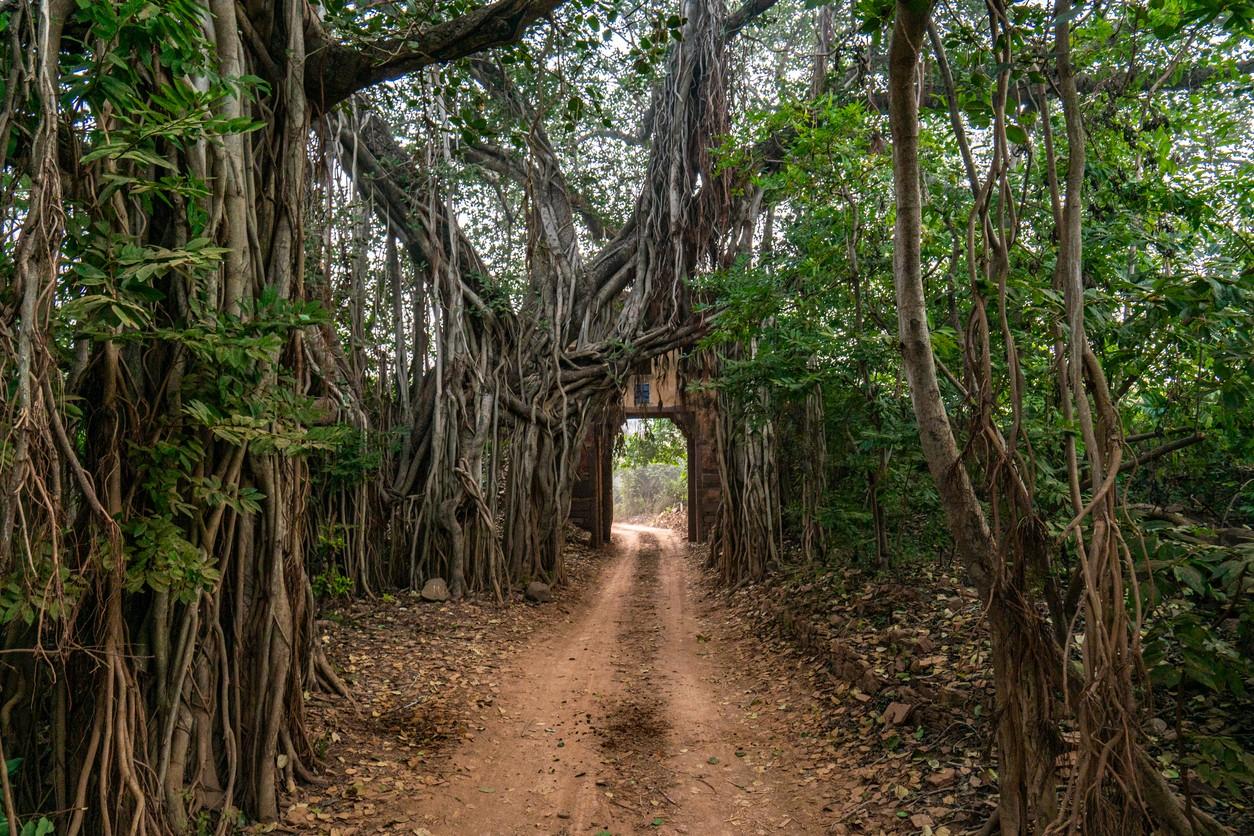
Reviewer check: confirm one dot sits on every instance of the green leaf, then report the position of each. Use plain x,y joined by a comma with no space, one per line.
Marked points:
1165,676
1191,577
1068,15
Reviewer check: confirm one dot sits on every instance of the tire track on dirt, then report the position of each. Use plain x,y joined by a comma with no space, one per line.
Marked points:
572,730
634,729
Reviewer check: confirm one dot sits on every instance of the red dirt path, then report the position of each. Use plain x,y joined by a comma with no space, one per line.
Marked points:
637,712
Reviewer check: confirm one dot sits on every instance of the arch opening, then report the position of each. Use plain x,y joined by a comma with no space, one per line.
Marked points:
653,392
651,474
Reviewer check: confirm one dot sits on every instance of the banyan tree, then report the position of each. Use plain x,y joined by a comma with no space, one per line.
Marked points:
177,399
301,296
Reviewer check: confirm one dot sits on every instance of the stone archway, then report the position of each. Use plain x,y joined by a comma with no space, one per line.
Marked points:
654,391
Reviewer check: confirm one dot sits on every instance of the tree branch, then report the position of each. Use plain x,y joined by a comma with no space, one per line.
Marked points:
1019,96
1169,447
743,16
380,171
334,71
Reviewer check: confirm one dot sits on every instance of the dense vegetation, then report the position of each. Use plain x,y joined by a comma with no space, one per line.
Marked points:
300,299
1049,367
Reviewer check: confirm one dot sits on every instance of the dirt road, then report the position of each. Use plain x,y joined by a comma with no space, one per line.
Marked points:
630,721
636,702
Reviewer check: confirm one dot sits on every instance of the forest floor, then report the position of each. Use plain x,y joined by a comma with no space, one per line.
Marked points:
643,700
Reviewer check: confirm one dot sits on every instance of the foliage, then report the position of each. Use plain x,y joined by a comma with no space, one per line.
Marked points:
648,490
650,468
331,583
191,461
1167,257
33,827
817,308
655,441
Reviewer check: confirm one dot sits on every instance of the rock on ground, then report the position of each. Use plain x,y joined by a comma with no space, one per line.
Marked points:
435,590
538,592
